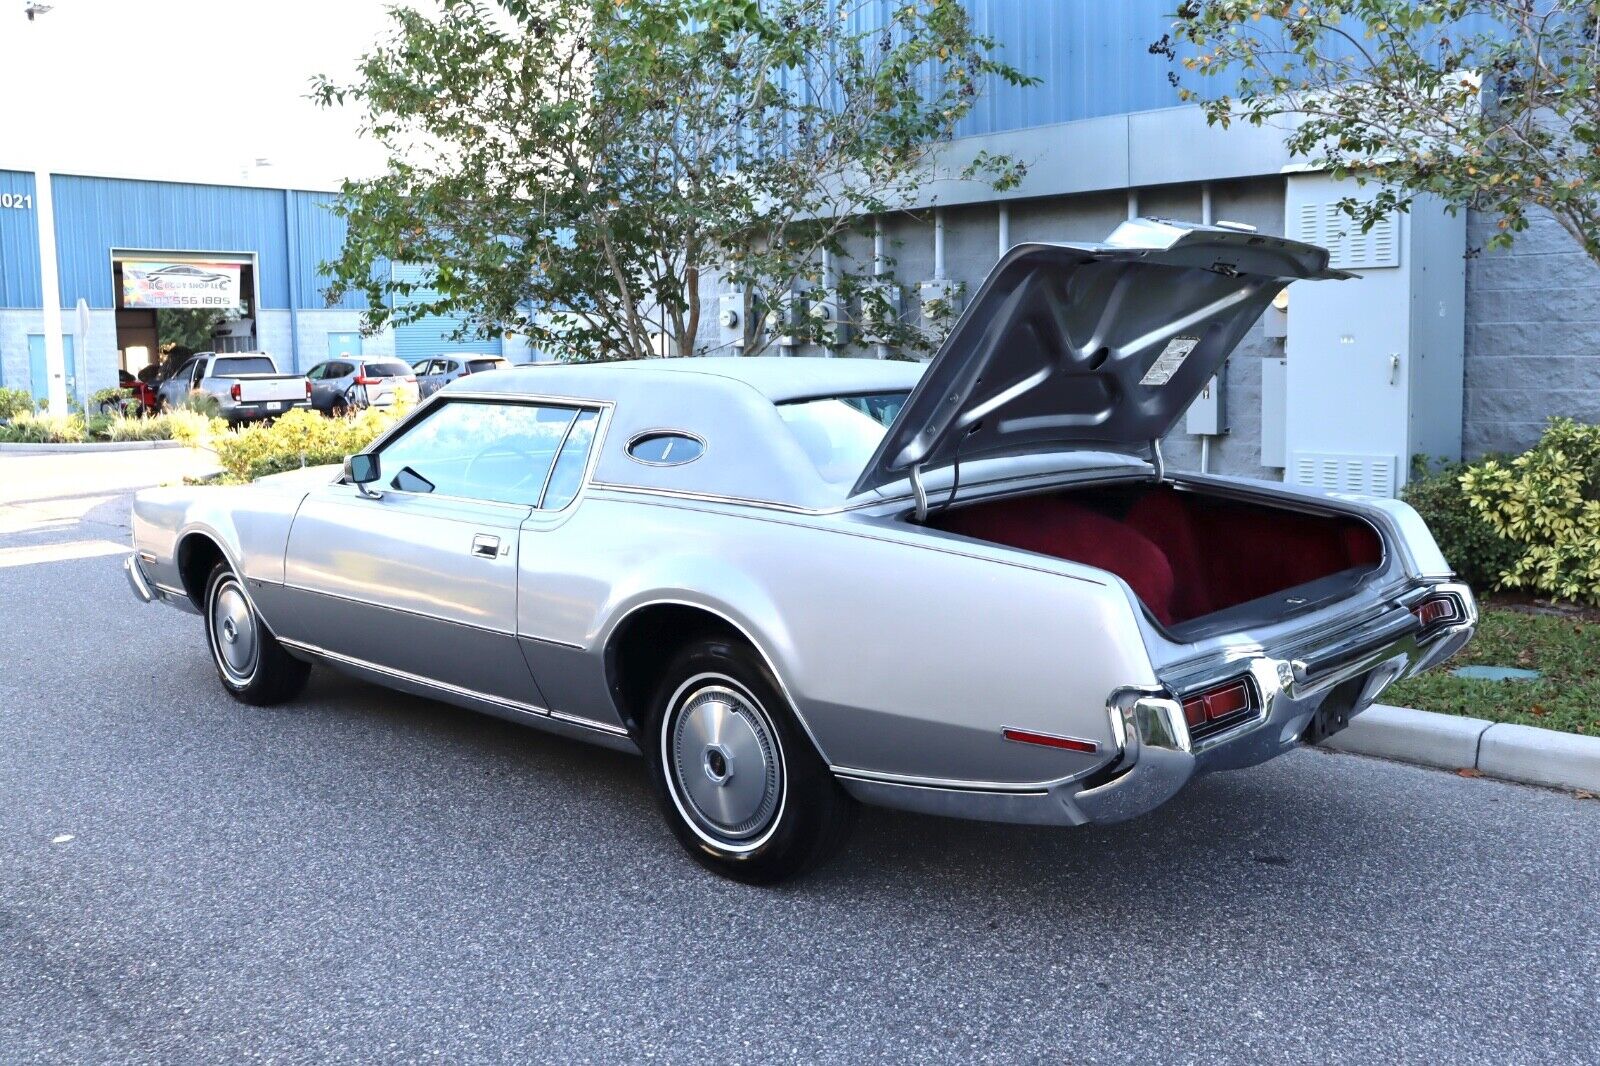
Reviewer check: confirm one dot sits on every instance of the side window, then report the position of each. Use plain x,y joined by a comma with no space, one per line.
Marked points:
499,452
665,448
199,373
337,370
567,478
315,373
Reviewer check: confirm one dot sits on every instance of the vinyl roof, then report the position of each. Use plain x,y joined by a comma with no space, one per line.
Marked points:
777,378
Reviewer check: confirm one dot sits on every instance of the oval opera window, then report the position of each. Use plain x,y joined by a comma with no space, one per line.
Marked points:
665,448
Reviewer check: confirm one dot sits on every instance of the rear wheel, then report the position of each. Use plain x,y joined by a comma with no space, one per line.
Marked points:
251,663
738,780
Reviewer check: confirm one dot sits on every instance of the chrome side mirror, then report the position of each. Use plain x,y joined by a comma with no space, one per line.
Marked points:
361,470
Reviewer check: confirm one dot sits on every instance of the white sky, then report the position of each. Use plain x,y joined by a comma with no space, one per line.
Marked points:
195,89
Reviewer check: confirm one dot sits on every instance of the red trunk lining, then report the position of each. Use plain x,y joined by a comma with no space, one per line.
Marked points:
1185,555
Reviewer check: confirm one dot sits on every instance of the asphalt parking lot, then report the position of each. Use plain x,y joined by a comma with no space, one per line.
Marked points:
367,876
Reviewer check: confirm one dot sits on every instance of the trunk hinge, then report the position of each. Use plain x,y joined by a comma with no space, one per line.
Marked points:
1156,461
920,492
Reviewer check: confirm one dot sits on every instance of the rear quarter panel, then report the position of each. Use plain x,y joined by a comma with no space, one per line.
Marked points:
902,654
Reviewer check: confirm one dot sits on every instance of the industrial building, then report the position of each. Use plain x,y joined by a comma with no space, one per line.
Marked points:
113,252
1439,349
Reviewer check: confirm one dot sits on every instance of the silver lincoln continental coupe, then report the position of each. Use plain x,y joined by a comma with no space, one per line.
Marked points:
968,588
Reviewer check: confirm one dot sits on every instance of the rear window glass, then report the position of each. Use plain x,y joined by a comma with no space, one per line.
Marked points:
840,433
478,366
233,366
388,368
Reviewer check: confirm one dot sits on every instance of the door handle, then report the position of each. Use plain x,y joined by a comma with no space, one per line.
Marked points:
485,546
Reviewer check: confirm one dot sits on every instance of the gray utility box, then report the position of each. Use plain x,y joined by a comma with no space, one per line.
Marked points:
1374,372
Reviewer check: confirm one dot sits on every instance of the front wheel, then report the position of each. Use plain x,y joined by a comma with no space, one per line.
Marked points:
251,663
739,781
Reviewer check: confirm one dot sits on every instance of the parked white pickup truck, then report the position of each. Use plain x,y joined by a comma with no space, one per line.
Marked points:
247,385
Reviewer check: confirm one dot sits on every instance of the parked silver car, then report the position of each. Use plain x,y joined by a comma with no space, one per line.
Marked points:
969,589
434,374
352,382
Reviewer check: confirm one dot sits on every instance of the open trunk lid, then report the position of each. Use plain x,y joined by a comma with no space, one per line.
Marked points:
1098,346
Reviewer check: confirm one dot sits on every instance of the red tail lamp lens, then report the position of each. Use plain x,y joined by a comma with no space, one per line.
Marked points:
236,392
1221,702
1439,609
1048,740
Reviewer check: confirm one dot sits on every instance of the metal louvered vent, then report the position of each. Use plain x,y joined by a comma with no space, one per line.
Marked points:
1349,248
1359,475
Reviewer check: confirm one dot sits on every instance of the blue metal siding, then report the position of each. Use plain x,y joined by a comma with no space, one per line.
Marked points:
431,335
19,244
319,234
95,215
1092,58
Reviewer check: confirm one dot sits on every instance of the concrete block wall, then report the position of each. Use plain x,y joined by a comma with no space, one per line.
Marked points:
96,355
1533,336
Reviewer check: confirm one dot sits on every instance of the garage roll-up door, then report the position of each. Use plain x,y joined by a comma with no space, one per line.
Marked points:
431,334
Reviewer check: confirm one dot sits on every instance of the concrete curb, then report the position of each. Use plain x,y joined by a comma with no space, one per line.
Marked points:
95,446
1495,749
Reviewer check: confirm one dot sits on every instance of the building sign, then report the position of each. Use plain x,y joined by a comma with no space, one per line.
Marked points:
187,284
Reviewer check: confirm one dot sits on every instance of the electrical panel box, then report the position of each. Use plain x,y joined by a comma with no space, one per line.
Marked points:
1207,417
827,313
1374,373
940,299
880,309
784,319
1274,407
730,320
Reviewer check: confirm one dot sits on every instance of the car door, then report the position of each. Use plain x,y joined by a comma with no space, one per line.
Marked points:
421,579
428,381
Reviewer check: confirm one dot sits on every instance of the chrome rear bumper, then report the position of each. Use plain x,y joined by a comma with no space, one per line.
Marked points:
1158,757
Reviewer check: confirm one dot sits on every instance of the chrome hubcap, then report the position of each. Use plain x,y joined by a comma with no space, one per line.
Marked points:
726,764
233,631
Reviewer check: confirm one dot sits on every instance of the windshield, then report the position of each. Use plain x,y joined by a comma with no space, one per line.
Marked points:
248,364
840,433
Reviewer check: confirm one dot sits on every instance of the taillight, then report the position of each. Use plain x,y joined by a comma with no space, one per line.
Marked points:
237,392
1217,708
411,379
1437,611
1049,740
308,389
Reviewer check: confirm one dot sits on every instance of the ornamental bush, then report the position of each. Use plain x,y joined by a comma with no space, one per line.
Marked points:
15,403
1470,543
300,438
1547,502
31,428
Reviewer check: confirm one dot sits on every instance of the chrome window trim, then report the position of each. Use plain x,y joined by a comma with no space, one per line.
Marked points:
603,408
659,431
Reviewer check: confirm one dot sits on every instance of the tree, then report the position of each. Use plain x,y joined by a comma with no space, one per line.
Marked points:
571,170
1488,104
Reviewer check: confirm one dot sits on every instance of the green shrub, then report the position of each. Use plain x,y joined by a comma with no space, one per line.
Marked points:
202,403
97,426
114,399
300,438
1467,539
33,428
155,427
1547,502
15,403
192,427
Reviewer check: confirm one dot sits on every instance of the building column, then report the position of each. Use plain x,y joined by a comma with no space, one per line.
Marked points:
55,360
